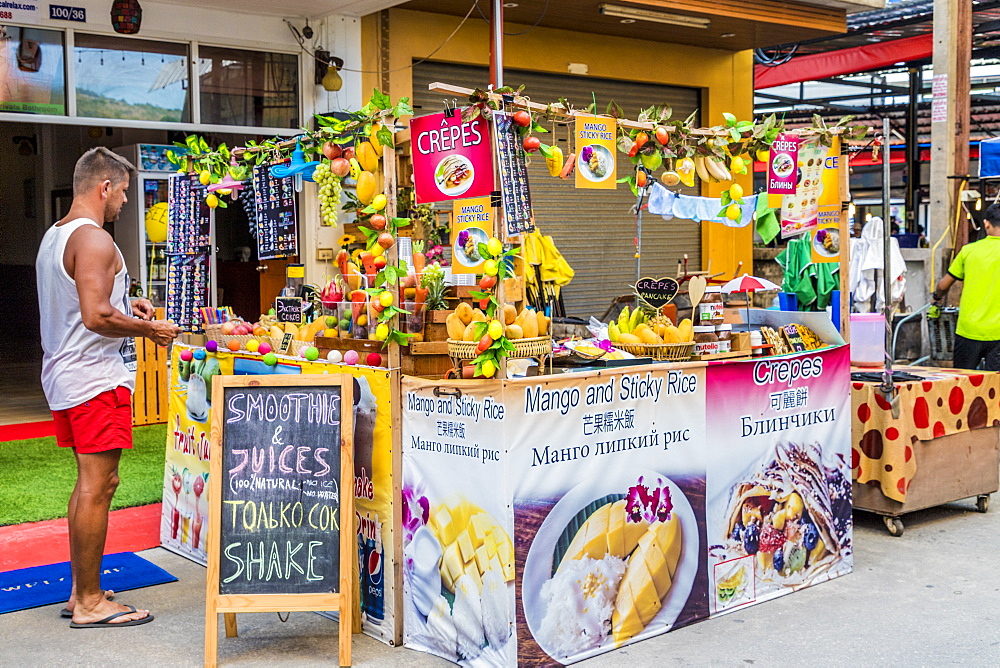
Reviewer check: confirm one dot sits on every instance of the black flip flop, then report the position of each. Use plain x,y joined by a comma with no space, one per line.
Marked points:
106,623
68,614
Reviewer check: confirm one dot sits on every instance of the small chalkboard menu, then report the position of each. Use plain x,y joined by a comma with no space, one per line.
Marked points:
276,227
513,172
288,309
282,456
657,292
188,216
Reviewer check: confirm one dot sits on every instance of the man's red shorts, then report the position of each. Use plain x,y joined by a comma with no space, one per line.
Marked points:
101,424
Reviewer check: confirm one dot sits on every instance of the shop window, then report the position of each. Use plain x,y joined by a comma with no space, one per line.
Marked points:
132,79
249,88
32,78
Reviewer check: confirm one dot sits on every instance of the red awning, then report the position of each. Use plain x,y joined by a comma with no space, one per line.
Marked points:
845,61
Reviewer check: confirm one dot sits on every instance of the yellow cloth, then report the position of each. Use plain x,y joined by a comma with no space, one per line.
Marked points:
946,402
540,251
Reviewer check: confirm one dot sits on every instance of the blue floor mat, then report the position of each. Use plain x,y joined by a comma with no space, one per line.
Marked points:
44,585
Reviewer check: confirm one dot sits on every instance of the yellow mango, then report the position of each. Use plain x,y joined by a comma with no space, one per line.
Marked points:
470,332
509,314
649,336
529,323
276,332
478,316
366,189
514,332
366,155
628,337
686,330
543,324
672,334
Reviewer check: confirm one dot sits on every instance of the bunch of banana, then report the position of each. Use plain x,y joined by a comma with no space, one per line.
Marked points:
711,169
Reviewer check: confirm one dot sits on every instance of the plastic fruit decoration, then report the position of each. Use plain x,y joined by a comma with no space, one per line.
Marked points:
531,143
366,187
522,118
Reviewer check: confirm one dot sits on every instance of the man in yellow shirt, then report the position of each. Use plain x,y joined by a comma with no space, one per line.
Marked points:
977,335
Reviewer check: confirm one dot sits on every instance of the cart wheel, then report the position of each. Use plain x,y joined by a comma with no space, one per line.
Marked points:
983,503
894,525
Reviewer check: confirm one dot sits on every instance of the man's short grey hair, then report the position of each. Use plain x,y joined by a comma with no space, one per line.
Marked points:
98,165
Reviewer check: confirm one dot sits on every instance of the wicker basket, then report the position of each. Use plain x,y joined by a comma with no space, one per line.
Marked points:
534,347
659,351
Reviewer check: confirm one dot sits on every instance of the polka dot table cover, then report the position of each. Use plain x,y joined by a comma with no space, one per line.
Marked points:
945,402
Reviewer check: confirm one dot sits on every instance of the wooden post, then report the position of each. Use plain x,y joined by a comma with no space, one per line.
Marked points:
949,118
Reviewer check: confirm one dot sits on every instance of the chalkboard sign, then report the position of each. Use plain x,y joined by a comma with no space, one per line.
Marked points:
282,456
275,214
288,309
513,172
657,291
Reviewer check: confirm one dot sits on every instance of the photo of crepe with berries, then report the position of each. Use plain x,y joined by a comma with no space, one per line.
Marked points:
793,515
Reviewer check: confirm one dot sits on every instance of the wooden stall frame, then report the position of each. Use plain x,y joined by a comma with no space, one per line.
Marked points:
343,600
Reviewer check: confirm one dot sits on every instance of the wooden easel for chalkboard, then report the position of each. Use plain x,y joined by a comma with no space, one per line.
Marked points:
269,415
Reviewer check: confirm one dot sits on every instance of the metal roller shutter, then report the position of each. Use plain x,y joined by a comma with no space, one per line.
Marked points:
593,229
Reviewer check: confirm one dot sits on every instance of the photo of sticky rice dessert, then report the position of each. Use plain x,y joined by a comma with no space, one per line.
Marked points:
792,514
602,571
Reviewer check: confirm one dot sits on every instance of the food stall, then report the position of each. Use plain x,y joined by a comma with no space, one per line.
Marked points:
526,513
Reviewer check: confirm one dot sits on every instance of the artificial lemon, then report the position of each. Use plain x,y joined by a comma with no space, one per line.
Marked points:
736,191
733,211
378,203
495,329
212,201
490,268
381,332
488,369
494,246
205,177
385,298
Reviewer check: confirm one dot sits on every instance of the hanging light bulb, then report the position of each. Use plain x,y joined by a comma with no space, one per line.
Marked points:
979,204
332,80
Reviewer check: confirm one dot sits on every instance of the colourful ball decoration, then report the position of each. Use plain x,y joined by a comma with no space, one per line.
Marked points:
374,359
253,345
311,353
126,16
264,348
211,345
233,345
335,356
199,354
186,355
351,357
270,359
156,223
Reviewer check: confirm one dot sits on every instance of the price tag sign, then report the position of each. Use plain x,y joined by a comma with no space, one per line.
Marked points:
657,291
288,309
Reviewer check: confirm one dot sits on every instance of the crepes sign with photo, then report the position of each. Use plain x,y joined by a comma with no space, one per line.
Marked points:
779,476
452,158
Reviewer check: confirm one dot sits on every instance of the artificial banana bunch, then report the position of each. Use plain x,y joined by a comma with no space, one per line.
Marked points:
717,169
702,169
554,161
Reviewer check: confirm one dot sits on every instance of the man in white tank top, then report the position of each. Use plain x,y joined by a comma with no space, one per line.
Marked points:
88,369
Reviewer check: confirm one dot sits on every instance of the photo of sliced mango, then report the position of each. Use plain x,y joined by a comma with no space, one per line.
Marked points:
472,542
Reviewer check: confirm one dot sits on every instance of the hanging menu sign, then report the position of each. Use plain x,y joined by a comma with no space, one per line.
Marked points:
275,214
188,216
513,173
187,290
452,158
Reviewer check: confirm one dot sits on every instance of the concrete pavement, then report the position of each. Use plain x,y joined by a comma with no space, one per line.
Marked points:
929,598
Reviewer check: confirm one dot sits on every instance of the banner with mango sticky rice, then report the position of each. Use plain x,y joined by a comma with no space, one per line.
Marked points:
779,476
458,552
596,159
184,519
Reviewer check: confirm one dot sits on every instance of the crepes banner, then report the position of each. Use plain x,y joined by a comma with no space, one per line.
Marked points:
595,150
779,476
183,525
816,200
452,158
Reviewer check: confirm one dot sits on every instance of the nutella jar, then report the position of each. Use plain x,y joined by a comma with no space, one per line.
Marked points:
725,334
709,309
705,340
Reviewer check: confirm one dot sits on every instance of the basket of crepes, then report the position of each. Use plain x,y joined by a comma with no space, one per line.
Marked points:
537,346
791,338
659,351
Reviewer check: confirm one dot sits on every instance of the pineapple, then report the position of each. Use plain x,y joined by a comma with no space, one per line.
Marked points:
433,280
652,315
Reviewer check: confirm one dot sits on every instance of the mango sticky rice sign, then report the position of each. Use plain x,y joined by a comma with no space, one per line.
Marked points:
452,158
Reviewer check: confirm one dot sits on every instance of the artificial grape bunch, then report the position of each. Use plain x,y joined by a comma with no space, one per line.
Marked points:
330,189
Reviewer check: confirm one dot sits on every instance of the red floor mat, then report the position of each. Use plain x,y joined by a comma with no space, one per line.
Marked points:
17,432
41,543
